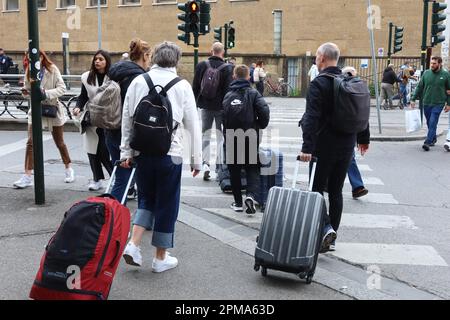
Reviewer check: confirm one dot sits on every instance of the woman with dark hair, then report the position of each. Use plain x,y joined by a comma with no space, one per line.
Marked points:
93,137
124,72
52,87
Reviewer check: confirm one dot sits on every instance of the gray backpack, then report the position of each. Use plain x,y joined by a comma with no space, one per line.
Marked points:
211,80
105,109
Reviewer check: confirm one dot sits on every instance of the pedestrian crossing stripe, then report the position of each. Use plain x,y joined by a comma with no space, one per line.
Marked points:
396,254
366,180
19,145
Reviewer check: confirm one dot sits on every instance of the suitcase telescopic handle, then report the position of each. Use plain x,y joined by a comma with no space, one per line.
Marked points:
313,173
112,178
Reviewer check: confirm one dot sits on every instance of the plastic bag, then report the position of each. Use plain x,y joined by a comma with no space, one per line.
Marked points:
412,120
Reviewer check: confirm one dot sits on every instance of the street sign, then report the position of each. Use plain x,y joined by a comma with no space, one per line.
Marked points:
381,52
364,63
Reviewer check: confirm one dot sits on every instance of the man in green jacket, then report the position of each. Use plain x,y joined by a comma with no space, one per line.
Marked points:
432,90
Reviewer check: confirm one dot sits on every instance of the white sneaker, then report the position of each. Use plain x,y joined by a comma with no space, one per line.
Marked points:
132,255
96,185
206,172
164,265
24,182
70,176
447,146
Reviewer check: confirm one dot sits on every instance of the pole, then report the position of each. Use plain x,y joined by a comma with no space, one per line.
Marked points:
65,43
424,48
226,39
374,65
391,25
36,111
99,27
196,45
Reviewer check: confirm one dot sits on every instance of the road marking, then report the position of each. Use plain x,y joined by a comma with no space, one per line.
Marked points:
366,180
379,198
18,145
372,221
372,253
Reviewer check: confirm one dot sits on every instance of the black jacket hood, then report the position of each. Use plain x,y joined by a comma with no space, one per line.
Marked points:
240,84
124,69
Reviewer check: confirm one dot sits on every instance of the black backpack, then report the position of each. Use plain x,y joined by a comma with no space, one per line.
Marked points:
238,111
153,121
211,80
351,110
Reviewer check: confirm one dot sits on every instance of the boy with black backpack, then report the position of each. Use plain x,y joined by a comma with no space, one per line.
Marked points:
245,114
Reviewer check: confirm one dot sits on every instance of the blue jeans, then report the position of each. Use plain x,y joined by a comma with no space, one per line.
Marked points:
354,175
159,188
113,139
432,114
404,92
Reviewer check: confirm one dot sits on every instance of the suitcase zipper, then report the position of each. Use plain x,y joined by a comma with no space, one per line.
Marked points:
102,260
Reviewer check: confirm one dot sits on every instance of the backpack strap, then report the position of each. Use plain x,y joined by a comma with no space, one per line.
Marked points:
149,81
172,83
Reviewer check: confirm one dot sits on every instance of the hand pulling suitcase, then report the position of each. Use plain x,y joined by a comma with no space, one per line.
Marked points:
81,259
270,177
291,230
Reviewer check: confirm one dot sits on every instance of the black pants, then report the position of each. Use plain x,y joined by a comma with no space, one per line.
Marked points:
253,183
331,171
260,87
102,157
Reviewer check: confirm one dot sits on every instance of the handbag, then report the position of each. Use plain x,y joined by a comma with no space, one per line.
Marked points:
413,120
49,111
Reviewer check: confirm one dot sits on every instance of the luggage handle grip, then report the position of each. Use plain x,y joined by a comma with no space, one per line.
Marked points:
313,173
113,174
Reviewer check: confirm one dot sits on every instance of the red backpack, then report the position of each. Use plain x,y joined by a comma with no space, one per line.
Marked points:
81,259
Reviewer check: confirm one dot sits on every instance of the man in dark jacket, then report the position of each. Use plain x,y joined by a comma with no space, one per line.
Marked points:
245,114
387,85
333,149
212,108
5,62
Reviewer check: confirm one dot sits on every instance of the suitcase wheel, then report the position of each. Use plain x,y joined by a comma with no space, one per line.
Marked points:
256,267
309,279
264,271
302,275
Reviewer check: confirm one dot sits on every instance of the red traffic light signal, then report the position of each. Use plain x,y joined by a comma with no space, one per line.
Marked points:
194,7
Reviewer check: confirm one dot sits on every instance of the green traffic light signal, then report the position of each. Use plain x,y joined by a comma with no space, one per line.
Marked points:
398,39
437,27
218,34
231,38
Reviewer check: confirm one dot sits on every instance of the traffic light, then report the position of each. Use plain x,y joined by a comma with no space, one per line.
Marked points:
218,34
194,16
205,17
231,38
398,39
437,27
185,37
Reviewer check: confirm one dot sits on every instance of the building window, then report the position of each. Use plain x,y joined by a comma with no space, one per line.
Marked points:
130,2
42,4
62,4
94,3
164,1
11,5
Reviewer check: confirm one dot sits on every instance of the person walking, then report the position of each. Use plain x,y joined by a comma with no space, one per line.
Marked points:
432,90
209,95
252,71
387,85
259,76
94,138
5,62
124,72
244,109
52,87
159,177
334,149
313,72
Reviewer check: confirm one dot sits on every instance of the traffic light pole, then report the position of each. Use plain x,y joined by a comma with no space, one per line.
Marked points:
226,39
424,48
391,25
36,111
196,46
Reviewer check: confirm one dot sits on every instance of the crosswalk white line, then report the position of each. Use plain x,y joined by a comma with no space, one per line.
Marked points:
377,221
371,197
397,254
18,145
367,180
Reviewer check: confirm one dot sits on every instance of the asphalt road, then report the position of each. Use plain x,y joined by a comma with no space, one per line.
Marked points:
393,244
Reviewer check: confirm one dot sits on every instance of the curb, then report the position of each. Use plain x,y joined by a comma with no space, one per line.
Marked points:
403,138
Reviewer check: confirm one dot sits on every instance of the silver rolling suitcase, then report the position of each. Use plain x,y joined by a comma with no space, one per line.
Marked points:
291,231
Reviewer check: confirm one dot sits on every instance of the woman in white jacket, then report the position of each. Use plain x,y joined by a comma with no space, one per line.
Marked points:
94,140
52,87
259,75
159,177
